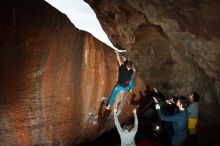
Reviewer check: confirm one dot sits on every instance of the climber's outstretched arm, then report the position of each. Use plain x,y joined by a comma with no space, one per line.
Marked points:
120,62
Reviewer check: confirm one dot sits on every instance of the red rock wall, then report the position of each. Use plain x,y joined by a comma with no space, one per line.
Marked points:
52,78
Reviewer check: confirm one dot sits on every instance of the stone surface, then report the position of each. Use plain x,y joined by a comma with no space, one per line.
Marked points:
175,45
52,78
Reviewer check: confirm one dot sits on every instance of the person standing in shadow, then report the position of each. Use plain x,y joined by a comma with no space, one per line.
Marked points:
179,121
193,110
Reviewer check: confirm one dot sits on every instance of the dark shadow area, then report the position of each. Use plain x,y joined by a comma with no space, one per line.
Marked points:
144,102
151,130
103,115
148,120
145,136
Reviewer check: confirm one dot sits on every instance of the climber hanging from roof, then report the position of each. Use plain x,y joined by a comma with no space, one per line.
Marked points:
125,81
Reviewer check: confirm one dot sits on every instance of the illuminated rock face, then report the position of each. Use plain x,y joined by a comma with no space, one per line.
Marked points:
52,78
175,45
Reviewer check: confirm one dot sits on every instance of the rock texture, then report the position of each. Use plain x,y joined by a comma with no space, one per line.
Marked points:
175,45
52,78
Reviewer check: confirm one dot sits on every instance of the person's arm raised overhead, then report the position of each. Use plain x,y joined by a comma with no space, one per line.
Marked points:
117,123
171,118
120,62
135,119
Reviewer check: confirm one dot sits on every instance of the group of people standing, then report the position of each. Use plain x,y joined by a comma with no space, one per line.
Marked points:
182,112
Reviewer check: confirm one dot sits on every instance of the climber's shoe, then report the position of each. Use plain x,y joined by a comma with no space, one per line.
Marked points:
130,90
107,107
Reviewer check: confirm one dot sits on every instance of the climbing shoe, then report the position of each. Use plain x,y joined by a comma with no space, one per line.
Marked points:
107,107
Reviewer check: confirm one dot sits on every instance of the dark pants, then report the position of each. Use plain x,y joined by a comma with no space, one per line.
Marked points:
178,140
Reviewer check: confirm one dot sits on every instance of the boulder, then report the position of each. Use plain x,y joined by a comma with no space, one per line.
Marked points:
52,78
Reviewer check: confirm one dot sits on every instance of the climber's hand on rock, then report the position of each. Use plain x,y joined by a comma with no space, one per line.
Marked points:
121,51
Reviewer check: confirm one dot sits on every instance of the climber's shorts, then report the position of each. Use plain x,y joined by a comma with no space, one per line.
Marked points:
192,125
